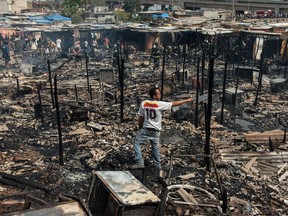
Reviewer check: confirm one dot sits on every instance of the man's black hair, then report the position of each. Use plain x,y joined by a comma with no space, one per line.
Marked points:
152,91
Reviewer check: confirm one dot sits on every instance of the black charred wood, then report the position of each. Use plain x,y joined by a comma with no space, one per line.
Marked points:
27,182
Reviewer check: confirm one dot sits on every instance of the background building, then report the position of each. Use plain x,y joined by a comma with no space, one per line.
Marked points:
12,6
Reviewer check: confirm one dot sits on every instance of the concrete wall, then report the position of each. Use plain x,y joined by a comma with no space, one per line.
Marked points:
4,6
11,6
18,5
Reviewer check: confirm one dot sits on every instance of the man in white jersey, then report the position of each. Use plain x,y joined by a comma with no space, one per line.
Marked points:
150,118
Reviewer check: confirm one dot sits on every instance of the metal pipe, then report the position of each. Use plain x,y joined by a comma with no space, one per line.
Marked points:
50,81
208,115
223,90
61,161
197,94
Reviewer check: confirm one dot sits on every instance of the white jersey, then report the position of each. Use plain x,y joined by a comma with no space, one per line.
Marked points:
152,113
58,43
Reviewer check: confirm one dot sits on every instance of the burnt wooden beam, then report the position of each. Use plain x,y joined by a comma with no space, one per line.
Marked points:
261,72
87,72
217,176
196,121
12,183
184,61
284,137
225,201
50,82
23,181
271,147
208,115
76,93
223,91
18,87
202,71
40,103
29,199
61,160
121,80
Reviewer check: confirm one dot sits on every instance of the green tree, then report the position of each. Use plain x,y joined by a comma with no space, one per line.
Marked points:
70,8
132,6
122,15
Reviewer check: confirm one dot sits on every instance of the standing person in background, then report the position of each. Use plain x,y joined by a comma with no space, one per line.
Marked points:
77,53
150,118
34,44
86,47
6,53
106,42
59,45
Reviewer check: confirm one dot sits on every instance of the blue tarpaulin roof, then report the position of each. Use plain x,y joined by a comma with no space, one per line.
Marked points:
159,15
40,20
57,17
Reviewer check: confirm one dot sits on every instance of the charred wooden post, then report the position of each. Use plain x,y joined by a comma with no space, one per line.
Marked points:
76,93
261,72
18,88
91,92
40,104
238,65
197,94
163,198
271,146
284,137
208,115
121,81
61,161
284,59
162,72
87,72
184,60
223,89
202,71
225,201
50,81
170,169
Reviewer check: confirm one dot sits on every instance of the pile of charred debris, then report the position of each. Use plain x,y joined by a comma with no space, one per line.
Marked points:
223,155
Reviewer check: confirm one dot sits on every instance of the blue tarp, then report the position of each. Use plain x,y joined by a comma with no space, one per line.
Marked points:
164,15
40,20
57,17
